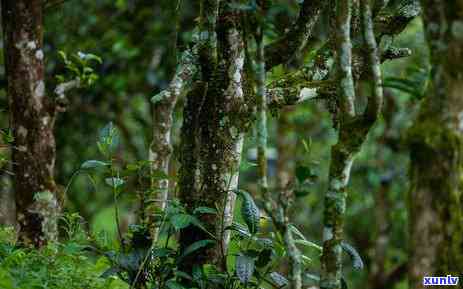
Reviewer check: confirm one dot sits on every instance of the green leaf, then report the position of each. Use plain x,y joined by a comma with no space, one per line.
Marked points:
91,164
250,212
7,136
114,182
240,229
161,252
265,242
295,230
312,277
246,165
205,210
110,272
244,267
181,221
307,145
196,222
183,275
309,244
108,138
357,261
303,173
265,256
301,192
306,259
303,240
89,57
159,175
279,279
172,284
196,246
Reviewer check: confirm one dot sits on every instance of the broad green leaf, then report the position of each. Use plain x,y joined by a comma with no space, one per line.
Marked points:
110,272
265,242
172,284
301,192
244,267
196,222
245,165
205,210
159,175
295,230
181,221
309,244
161,252
303,173
240,229
265,256
91,164
250,212
108,138
306,259
279,279
312,277
196,246
183,275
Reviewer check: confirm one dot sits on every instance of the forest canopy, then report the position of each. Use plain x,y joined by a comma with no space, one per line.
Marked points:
233,144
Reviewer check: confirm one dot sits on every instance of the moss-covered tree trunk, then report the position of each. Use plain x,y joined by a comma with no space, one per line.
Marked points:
163,110
435,142
213,129
7,203
32,121
353,129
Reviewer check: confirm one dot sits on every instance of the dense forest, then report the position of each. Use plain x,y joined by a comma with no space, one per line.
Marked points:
238,144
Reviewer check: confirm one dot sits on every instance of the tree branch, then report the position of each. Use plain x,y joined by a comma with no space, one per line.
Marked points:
181,82
294,40
375,101
286,93
61,89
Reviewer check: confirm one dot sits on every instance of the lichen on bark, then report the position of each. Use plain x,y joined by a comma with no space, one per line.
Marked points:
435,142
32,115
352,133
218,140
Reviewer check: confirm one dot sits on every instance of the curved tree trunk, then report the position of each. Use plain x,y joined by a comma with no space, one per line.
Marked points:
32,121
435,142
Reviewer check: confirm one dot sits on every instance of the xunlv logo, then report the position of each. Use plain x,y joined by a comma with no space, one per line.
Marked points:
440,281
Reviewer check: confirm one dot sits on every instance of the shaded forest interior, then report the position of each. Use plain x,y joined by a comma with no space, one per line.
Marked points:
231,144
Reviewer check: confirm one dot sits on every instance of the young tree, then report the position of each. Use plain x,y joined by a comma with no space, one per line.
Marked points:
435,142
32,116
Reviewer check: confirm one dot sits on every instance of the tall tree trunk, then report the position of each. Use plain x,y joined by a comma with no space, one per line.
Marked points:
213,133
435,142
32,121
352,132
7,203
161,146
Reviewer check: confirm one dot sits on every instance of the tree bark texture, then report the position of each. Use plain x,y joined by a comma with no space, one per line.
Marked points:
435,143
213,131
32,121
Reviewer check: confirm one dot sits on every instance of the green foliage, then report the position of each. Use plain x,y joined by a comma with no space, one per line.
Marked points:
79,66
57,266
244,267
250,212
